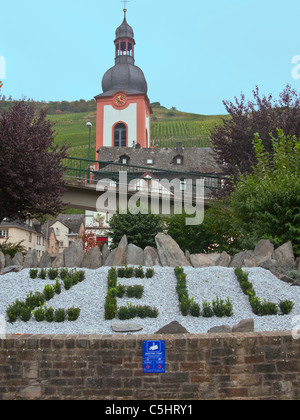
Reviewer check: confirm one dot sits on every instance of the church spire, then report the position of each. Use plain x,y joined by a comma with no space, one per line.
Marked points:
124,42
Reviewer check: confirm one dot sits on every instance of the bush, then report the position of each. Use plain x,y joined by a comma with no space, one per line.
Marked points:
14,310
131,311
135,291
286,306
25,314
49,314
64,273
49,292
42,274
139,272
268,308
33,300
110,307
222,309
59,315
195,309
73,314
207,311
149,273
33,273
11,249
52,273
121,290
57,287
39,314
68,282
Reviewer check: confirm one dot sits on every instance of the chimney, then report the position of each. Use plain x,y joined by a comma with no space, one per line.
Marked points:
179,147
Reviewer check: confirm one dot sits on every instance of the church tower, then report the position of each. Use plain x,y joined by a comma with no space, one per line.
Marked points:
123,109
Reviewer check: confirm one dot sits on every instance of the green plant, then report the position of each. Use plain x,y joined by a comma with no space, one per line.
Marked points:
68,282
121,290
121,272
33,273
129,272
222,309
64,272
25,314
130,311
49,292
135,291
185,305
295,274
268,308
286,306
11,249
52,273
49,314
42,274
81,276
207,311
59,315
112,278
149,273
195,309
110,307
39,314
33,300
57,287
73,313
139,272
14,310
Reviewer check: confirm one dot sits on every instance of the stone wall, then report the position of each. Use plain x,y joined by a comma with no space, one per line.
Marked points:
232,366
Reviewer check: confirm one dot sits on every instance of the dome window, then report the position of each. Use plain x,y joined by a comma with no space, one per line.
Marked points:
120,135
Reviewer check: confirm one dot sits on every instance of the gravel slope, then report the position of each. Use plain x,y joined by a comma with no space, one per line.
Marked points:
160,291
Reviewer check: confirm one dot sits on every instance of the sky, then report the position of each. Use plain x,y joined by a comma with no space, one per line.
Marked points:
194,53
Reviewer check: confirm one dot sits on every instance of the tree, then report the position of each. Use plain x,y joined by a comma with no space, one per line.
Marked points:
140,229
232,140
31,175
266,203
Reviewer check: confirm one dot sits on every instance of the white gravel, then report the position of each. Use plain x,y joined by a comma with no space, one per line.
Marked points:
160,291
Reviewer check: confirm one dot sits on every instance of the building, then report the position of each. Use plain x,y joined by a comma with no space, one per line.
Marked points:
29,234
123,109
60,233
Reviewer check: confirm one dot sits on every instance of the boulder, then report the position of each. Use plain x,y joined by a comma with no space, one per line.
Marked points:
74,254
93,259
105,252
221,329
121,252
135,255
170,254
2,260
285,257
151,258
59,261
8,261
31,259
246,325
263,252
204,260
11,269
110,259
18,259
243,259
45,261
126,328
224,260
173,328
298,263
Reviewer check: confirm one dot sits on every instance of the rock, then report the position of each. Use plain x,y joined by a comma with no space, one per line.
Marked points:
93,259
74,254
105,252
59,261
135,255
8,261
285,257
121,252
224,260
11,269
151,258
173,328
298,263
2,260
109,260
222,329
204,260
31,259
246,325
45,261
170,254
18,259
239,259
125,328
188,256
263,252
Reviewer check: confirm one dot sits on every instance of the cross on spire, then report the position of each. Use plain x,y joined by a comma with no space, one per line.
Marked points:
125,1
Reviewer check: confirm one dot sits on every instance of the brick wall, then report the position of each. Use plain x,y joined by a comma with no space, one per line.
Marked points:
232,366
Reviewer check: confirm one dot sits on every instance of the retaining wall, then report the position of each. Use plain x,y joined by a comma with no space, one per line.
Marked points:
198,367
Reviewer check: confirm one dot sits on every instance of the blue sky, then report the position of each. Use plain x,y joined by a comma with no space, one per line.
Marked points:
194,54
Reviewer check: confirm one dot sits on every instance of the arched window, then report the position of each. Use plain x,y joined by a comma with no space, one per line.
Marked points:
120,134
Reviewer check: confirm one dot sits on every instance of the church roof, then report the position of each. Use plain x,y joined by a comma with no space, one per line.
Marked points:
125,30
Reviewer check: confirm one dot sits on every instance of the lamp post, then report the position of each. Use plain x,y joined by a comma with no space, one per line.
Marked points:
89,125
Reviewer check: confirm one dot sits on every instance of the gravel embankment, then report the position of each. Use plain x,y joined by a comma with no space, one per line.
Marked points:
160,291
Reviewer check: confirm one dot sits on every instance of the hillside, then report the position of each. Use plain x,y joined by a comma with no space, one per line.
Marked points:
167,127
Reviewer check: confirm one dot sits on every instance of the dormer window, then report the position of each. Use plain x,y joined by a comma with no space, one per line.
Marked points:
178,160
149,161
124,159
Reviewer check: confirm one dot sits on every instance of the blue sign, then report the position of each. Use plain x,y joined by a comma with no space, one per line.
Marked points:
154,359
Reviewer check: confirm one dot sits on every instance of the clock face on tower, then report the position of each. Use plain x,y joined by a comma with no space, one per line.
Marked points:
120,99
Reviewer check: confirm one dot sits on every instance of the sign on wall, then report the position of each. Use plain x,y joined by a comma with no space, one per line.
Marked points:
154,356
